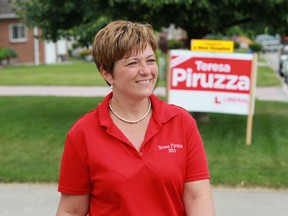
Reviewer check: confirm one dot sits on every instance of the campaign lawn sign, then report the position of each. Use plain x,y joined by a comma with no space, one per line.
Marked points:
212,82
212,45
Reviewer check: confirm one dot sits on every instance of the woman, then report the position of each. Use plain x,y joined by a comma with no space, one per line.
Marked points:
134,154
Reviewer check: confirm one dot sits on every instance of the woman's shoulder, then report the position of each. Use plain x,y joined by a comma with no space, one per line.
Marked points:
85,120
166,110
163,105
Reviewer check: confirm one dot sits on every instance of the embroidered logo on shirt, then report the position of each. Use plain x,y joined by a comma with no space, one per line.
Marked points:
171,148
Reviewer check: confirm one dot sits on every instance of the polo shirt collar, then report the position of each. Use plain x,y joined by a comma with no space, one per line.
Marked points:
103,110
162,111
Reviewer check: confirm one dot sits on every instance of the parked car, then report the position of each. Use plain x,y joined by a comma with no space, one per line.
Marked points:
268,42
283,56
285,70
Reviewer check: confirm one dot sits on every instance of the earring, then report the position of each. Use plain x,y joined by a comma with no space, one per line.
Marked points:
111,86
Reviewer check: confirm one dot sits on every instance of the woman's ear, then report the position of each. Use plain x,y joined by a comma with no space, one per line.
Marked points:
106,75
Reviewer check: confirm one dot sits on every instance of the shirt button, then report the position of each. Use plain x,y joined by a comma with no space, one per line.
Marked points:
141,153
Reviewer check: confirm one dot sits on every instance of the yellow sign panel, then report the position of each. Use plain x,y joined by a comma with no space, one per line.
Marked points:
212,45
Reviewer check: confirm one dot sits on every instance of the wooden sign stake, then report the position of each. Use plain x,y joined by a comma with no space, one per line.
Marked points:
251,101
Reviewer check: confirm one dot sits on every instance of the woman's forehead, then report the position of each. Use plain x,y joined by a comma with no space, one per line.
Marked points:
139,51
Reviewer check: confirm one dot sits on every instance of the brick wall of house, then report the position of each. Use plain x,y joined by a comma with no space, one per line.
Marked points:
25,50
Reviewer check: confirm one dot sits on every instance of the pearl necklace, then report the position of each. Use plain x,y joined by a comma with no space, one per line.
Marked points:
131,121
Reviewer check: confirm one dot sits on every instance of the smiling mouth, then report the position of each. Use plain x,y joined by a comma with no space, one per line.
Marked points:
144,82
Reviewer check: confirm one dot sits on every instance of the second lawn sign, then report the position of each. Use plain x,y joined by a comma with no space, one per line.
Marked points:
211,82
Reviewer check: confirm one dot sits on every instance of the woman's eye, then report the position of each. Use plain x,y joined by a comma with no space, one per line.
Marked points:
151,60
131,63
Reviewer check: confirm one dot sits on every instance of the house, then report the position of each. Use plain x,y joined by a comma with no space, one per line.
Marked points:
16,35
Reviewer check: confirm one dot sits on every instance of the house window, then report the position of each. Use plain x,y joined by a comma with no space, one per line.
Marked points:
18,32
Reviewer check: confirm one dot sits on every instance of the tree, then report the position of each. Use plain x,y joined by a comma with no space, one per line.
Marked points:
83,18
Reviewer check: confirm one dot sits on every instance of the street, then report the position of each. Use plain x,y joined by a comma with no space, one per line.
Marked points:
42,200
272,59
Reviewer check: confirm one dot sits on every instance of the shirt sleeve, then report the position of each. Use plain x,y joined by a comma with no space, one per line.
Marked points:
74,171
196,164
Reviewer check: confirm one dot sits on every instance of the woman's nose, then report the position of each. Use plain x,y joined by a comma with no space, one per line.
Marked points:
144,69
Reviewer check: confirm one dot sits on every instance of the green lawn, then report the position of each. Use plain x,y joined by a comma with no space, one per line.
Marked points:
266,77
264,162
71,74
33,130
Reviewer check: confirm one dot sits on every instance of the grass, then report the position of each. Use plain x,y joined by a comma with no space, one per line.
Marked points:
86,74
33,130
266,77
264,162
71,74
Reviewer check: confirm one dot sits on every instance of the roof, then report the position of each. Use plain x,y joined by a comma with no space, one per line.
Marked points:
6,11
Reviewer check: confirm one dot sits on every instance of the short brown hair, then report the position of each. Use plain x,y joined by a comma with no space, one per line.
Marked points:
119,39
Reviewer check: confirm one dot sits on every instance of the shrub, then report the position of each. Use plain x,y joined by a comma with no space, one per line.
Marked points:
7,53
255,47
175,44
11,53
236,45
85,52
2,54
76,45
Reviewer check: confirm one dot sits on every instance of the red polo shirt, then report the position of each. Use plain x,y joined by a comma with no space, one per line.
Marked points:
99,160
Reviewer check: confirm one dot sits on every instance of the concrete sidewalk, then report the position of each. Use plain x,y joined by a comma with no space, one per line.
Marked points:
42,200
278,93
70,91
272,93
